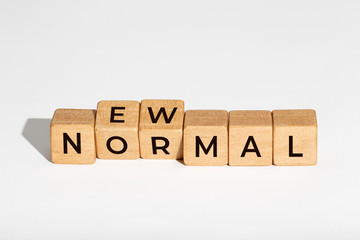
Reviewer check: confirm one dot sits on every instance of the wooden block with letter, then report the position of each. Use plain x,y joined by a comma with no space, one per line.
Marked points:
72,136
206,138
116,130
295,137
161,129
250,138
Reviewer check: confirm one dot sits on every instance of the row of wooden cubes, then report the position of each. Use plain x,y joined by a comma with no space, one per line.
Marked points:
159,129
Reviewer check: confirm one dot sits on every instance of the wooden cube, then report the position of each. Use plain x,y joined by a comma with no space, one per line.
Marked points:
116,130
295,137
250,138
161,129
72,136
206,138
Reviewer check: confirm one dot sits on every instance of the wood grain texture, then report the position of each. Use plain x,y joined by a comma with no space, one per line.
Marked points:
250,138
116,130
295,137
161,123
206,138
71,124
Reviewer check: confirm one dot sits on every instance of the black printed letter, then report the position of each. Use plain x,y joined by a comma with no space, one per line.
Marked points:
108,145
113,114
291,151
255,149
199,143
155,148
161,111
66,139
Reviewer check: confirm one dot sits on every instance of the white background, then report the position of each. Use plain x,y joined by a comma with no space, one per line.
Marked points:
212,54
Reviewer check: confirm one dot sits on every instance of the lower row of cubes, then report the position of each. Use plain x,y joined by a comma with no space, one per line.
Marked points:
160,129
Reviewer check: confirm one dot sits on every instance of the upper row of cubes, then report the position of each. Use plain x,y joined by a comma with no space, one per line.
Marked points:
157,129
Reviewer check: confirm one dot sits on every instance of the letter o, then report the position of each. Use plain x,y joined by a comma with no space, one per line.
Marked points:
114,151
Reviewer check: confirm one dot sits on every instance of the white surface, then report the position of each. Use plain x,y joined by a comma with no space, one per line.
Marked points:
213,55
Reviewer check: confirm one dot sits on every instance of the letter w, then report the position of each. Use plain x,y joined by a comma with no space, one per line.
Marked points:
163,112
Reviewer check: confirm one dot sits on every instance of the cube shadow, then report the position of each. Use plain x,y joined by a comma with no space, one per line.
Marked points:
37,132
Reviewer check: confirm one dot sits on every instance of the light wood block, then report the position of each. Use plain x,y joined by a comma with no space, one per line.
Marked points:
250,138
161,129
295,137
206,138
116,130
72,136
